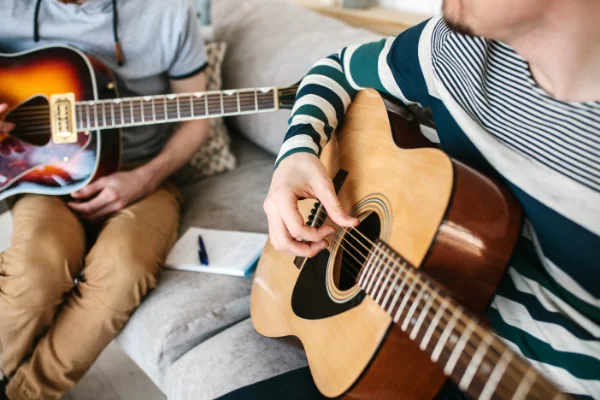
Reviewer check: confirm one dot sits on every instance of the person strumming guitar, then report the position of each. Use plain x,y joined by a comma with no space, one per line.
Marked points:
514,87
48,342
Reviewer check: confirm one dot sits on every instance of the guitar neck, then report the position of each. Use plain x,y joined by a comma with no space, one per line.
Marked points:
149,110
477,360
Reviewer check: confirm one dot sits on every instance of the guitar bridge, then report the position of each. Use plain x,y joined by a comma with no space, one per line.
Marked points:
62,118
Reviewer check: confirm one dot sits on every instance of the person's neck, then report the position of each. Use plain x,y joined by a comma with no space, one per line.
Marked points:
563,50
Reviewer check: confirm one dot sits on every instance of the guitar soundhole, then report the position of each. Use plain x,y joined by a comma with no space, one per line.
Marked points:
356,245
32,120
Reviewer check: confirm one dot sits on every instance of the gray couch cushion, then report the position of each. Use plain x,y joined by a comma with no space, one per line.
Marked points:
232,359
187,308
274,43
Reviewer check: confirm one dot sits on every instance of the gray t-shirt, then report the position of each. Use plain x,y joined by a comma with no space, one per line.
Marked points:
160,39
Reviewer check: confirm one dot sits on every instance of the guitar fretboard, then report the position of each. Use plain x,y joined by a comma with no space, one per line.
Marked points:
477,360
148,110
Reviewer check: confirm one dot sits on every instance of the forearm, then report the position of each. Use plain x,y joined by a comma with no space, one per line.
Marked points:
326,93
178,151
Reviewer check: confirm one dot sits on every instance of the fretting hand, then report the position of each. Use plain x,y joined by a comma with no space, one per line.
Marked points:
301,175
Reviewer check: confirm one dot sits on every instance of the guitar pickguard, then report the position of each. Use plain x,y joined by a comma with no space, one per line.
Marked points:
311,298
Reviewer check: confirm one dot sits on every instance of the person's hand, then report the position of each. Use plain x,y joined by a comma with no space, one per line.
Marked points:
301,175
110,194
5,126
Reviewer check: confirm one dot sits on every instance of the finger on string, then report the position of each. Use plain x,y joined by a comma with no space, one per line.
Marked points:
288,209
289,245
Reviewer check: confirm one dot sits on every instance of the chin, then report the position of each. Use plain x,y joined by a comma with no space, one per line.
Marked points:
453,12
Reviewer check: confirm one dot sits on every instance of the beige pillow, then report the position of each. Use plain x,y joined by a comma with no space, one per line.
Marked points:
274,43
214,156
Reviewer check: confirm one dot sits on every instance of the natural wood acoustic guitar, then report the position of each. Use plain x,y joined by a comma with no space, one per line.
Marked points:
68,118
395,306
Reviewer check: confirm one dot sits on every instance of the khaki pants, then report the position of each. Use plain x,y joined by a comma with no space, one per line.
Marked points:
51,329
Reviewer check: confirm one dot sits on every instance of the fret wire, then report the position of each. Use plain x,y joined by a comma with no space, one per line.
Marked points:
89,123
206,105
80,119
415,280
122,113
112,112
473,366
384,284
366,270
373,276
423,314
142,110
378,270
153,109
526,384
382,274
165,108
445,334
494,379
460,346
433,325
255,100
131,110
96,115
238,102
222,109
413,307
390,290
178,107
398,290
192,104
103,114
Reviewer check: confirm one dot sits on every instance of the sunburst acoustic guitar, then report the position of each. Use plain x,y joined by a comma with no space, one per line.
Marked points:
61,100
371,311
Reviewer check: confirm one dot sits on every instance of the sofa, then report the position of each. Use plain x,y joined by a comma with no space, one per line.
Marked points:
193,335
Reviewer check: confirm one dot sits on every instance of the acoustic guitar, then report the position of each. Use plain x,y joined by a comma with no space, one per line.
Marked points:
61,100
371,311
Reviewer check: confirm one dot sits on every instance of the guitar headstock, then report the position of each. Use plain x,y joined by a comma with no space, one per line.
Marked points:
287,96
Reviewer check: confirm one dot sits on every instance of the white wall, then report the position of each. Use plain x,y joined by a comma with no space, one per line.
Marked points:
420,6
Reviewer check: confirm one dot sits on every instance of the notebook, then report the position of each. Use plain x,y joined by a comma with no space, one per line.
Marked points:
229,252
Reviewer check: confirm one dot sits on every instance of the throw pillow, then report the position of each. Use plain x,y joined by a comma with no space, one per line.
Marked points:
274,43
214,156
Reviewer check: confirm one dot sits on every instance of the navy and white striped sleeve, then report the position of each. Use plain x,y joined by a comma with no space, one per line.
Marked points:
391,66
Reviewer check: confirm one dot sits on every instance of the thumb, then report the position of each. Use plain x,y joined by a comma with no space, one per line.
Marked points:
334,207
90,189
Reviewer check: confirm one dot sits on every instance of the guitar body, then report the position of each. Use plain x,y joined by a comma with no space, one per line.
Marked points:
30,161
439,215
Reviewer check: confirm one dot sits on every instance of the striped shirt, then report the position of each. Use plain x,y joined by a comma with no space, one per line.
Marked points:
490,114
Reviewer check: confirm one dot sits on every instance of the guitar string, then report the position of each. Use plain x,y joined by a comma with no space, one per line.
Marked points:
148,107
414,277
159,105
184,96
281,93
436,335
186,111
469,349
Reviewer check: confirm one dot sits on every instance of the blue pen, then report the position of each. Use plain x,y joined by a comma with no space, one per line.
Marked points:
202,254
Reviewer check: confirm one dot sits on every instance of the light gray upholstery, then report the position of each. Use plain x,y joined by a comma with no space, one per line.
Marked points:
274,43
235,358
187,308
193,335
